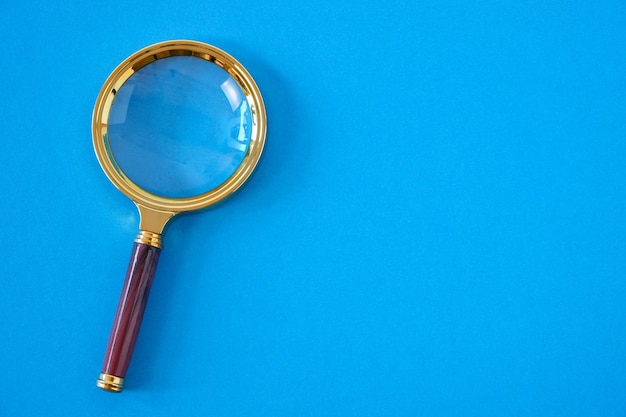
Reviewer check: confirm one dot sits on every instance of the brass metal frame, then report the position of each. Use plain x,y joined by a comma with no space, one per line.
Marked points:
155,211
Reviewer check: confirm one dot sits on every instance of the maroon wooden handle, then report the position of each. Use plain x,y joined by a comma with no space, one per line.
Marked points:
141,268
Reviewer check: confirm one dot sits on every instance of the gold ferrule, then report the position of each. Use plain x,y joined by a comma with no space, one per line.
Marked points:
150,238
110,383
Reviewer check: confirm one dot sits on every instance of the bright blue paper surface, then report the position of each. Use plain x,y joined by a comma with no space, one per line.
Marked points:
437,227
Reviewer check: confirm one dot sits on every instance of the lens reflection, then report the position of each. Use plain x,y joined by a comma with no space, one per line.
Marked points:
179,127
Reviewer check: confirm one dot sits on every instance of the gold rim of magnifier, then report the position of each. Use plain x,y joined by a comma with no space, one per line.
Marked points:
133,64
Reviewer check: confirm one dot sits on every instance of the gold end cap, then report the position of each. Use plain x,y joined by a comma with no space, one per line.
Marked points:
110,383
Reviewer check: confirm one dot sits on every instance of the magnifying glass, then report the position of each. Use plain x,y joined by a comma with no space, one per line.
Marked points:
177,127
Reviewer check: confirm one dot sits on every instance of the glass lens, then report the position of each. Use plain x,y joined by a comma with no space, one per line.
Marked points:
179,127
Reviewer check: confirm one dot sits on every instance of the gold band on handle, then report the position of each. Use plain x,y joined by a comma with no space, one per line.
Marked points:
110,383
150,238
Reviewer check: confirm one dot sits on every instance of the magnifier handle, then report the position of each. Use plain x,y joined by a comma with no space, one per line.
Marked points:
141,269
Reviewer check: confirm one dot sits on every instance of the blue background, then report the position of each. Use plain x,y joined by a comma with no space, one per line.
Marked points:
436,228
